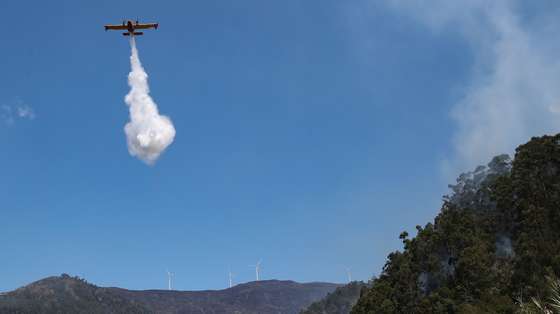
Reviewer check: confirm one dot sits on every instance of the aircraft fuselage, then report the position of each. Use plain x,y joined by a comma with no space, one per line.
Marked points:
132,27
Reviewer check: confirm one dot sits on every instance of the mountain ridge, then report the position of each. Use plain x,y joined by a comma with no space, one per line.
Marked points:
68,294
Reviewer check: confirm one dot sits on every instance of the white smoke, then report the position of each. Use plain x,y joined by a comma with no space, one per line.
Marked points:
148,133
514,90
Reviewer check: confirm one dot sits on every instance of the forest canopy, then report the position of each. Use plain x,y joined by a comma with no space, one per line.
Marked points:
492,246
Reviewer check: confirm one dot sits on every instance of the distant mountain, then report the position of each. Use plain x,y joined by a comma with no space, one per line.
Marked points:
67,294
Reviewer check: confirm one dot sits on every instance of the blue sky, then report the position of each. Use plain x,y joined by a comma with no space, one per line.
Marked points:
309,134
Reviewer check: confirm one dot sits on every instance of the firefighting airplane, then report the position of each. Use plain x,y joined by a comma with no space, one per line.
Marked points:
131,27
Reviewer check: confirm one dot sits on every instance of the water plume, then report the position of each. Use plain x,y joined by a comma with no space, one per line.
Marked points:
148,133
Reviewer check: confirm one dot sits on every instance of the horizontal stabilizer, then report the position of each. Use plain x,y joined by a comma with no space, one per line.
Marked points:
126,34
138,33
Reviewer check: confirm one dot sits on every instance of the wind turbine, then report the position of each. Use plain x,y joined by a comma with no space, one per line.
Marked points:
257,268
169,280
349,273
231,279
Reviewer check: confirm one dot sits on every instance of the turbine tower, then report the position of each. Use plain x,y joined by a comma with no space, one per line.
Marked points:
170,280
257,268
349,273
230,279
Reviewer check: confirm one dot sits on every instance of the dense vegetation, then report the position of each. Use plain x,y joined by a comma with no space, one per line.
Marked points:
493,245
340,301
550,305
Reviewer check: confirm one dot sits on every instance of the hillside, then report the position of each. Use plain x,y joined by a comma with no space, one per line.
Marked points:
339,301
67,294
495,241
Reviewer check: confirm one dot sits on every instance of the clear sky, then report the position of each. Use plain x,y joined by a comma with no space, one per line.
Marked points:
309,134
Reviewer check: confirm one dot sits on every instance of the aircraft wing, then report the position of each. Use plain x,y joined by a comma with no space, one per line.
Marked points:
107,27
146,26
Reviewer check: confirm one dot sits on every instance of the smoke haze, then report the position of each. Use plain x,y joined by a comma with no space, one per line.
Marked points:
513,93
148,133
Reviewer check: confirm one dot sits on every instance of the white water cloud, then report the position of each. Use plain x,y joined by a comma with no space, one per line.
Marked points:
11,113
514,92
148,133
25,112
